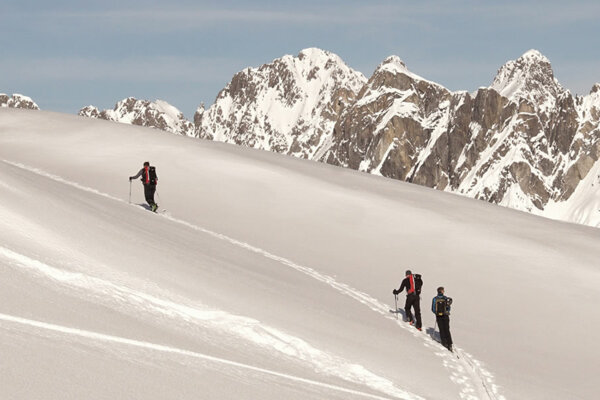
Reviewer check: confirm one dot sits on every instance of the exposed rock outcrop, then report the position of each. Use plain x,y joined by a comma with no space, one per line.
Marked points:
17,101
158,114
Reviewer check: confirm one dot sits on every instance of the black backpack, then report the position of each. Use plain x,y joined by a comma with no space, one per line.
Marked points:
152,175
441,306
418,283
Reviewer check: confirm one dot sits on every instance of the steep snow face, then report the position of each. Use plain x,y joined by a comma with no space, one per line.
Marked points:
17,101
288,106
589,106
158,114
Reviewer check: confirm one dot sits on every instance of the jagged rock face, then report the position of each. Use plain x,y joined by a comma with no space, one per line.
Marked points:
17,101
523,142
89,112
288,106
158,114
395,117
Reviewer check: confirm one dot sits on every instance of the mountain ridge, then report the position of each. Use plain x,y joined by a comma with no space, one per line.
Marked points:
523,142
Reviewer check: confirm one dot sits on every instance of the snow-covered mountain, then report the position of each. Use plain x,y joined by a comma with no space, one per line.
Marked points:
288,106
154,114
524,142
270,277
395,120
17,101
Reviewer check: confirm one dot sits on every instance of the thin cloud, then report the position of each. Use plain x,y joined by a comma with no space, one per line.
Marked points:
532,12
155,69
177,17
425,15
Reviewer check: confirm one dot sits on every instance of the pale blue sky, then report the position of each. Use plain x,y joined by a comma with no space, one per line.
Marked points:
68,54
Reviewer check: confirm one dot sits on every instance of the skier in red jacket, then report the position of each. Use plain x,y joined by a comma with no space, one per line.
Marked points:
412,299
149,180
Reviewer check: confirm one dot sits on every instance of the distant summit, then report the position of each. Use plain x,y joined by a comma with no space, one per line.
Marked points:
158,114
288,106
529,78
17,101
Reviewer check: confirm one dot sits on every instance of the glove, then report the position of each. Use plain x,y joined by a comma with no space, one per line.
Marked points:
130,178
395,292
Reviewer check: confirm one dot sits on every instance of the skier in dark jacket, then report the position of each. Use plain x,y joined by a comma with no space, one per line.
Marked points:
412,299
149,180
441,308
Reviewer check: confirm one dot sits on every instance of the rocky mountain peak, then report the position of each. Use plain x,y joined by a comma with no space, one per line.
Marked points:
392,64
17,101
530,78
89,112
534,56
289,105
314,55
157,114
393,72
595,88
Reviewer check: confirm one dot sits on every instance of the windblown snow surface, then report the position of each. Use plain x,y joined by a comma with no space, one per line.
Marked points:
270,277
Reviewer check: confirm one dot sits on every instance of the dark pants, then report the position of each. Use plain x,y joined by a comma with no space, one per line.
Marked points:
444,325
149,193
413,300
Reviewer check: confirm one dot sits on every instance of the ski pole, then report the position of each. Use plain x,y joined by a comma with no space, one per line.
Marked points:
396,300
130,191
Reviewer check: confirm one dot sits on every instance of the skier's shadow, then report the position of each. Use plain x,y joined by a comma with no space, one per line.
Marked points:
145,206
401,312
434,334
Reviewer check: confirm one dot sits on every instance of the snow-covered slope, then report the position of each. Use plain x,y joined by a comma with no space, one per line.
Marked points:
270,277
157,114
288,106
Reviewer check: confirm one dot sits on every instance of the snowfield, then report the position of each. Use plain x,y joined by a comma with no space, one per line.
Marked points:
270,277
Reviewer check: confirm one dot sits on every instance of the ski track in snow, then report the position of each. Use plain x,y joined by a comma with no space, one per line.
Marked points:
175,351
468,373
125,299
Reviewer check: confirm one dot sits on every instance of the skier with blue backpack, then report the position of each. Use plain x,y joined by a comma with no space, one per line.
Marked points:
440,306
149,180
